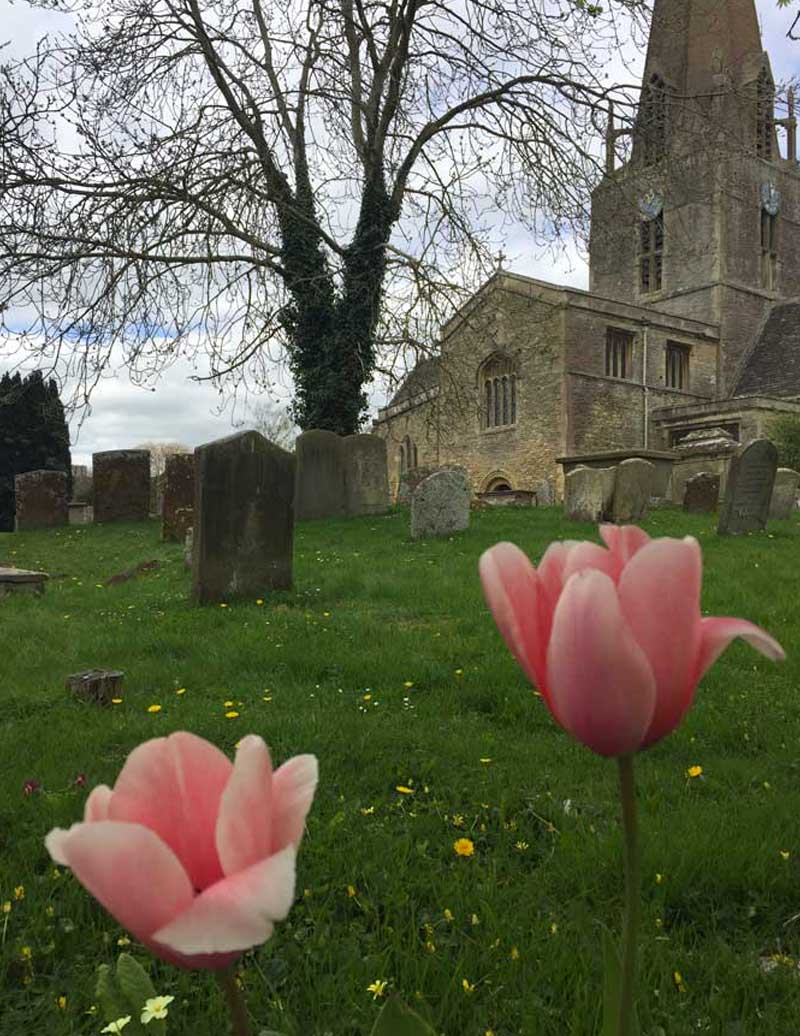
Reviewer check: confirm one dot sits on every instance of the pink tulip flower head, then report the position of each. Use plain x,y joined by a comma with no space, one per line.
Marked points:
612,637
193,854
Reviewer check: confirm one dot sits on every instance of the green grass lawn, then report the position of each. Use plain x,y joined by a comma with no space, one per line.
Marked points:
385,663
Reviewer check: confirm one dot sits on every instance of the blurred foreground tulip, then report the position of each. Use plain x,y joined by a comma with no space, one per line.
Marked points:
193,854
612,638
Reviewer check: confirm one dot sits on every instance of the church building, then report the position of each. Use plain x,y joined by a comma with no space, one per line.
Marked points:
692,317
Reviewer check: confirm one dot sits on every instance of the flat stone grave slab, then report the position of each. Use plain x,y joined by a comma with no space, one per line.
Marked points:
21,580
97,686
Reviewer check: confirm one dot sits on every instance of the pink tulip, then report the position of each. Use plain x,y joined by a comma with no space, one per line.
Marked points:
193,854
612,638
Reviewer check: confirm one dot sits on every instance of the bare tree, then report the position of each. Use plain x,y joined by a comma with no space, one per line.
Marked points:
159,451
274,423
314,179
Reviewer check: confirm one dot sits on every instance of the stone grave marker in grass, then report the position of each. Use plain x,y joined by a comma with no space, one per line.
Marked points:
21,581
784,494
40,500
748,490
588,493
121,485
702,493
440,504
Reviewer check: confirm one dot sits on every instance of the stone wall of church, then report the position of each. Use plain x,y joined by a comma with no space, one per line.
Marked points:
417,422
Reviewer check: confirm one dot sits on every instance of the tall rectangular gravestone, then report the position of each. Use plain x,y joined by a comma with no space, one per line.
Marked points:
366,474
121,485
784,494
243,518
178,499
41,500
321,490
588,493
748,490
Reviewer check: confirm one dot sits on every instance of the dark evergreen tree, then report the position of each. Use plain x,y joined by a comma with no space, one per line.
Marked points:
33,435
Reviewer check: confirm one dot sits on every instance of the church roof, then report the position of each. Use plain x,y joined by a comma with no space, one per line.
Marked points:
424,376
773,366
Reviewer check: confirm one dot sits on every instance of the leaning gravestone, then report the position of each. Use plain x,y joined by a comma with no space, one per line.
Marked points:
633,489
784,494
366,474
178,498
588,493
41,500
243,518
701,494
749,488
121,485
440,504
320,491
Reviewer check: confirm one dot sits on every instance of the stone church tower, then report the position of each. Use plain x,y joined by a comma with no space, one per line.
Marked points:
692,319
702,220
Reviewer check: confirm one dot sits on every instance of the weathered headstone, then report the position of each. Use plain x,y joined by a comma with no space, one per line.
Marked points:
366,474
545,493
320,490
588,493
633,489
21,581
80,513
409,480
749,488
243,518
121,485
440,504
41,500
702,493
784,494
188,546
178,499
97,686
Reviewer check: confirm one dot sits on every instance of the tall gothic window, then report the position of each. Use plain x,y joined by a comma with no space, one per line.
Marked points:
653,119
619,353
651,249
498,378
677,372
765,101
769,250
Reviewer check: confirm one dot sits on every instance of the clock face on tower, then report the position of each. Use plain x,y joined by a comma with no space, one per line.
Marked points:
770,198
651,204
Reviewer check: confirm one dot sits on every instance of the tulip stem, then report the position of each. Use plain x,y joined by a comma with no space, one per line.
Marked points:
240,1023
632,881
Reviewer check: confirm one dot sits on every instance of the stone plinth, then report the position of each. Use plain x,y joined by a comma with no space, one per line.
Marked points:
661,460
41,500
440,505
21,581
366,474
320,491
121,485
178,498
708,451
243,521
751,478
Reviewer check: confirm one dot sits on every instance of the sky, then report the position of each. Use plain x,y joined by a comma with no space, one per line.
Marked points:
177,409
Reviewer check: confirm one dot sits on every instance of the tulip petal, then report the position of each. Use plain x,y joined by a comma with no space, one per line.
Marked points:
244,828
128,869
623,541
173,785
512,590
588,555
237,912
659,592
293,787
599,677
717,633
96,807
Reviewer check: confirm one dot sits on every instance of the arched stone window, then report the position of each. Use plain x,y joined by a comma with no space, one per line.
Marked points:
497,380
653,119
765,114
403,464
409,456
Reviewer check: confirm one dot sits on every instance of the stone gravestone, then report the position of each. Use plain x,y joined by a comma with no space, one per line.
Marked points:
588,493
366,474
121,485
545,493
320,491
633,489
21,581
784,494
409,480
749,488
702,493
243,518
41,500
440,504
178,499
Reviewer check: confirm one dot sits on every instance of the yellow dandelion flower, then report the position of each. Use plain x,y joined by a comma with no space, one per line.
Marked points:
408,683
367,811
366,697
19,892
514,955
694,771
464,847
458,672
61,1002
26,953
404,790
181,690
231,714
677,978
448,915
659,922
50,911
351,892
659,879
154,708
430,946
553,928
377,988
486,760
123,941
467,986
785,854
228,704
259,601
116,701
7,907
223,606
